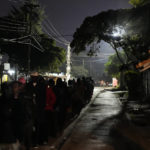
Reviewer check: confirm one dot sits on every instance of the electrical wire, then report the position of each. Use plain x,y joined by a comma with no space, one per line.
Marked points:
56,32
16,40
7,40
13,21
11,30
36,35
51,36
20,38
24,37
57,35
41,50
89,61
9,23
11,27
37,43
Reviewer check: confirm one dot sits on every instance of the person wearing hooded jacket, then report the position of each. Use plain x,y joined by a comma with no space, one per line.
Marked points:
50,117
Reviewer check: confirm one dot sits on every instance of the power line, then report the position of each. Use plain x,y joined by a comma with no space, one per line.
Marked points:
89,61
52,37
9,27
59,38
10,23
11,30
52,33
36,35
20,38
99,56
41,50
9,40
12,20
37,43
64,35
57,33
67,35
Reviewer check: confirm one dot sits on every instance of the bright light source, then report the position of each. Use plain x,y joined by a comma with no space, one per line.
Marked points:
118,31
11,72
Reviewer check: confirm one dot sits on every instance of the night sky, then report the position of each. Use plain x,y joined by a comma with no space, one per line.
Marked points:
67,15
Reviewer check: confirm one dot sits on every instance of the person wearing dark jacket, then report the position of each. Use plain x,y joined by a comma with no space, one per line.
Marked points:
6,129
60,105
37,88
50,115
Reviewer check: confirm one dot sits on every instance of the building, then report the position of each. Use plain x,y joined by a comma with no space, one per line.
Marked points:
144,68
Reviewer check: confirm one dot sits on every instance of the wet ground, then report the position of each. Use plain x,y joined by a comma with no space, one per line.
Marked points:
95,130
101,127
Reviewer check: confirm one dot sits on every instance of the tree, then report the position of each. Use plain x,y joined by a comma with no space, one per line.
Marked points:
51,59
139,3
112,67
115,69
25,21
134,84
30,16
79,71
121,28
136,48
29,12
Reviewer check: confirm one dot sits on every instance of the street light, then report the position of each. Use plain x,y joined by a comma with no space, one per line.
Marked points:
11,72
118,31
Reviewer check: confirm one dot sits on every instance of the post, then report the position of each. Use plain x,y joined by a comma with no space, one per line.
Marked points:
90,68
83,63
31,6
1,70
29,55
16,72
68,68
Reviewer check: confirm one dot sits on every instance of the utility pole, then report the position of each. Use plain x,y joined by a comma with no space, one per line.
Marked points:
68,68
1,69
83,63
29,46
90,68
31,6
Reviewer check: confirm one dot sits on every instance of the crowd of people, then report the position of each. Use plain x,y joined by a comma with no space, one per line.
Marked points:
32,112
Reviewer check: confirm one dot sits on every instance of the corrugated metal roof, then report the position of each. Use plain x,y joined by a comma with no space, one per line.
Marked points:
144,65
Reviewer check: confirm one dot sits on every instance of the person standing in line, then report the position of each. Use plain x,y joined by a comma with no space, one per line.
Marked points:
50,116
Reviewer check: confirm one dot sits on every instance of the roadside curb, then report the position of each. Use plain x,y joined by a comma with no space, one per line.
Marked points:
68,131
